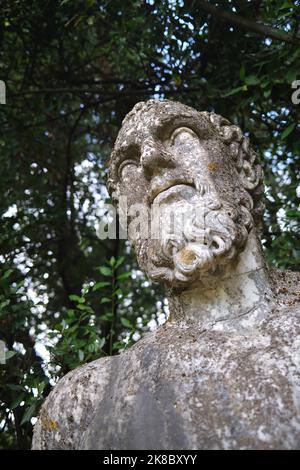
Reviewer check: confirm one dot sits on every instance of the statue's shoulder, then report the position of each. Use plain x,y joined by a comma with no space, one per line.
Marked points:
286,285
71,405
283,324
68,409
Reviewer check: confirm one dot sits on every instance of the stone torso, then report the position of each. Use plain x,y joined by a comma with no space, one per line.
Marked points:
214,390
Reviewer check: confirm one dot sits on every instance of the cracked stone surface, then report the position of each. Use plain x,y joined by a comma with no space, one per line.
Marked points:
224,371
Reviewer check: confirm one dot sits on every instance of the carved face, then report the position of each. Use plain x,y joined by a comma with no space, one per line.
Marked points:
201,174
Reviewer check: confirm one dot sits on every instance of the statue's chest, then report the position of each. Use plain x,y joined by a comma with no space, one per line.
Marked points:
214,395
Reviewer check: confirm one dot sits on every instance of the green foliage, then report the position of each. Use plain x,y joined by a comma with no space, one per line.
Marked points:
73,70
81,333
22,379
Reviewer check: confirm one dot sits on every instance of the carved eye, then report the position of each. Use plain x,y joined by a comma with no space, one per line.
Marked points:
127,168
183,136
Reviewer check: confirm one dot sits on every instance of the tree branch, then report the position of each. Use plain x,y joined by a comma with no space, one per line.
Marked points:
237,20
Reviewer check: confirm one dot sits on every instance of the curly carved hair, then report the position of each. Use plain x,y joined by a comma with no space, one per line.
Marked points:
246,161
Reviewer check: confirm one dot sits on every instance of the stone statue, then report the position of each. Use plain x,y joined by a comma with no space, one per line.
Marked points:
224,371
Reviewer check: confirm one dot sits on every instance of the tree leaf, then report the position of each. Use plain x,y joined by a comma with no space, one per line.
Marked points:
99,285
242,73
125,322
76,298
105,270
235,91
123,276
17,401
288,131
119,261
28,414
9,354
252,80
7,273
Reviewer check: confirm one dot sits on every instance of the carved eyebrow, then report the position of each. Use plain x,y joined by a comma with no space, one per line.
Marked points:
118,157
129,152
171,123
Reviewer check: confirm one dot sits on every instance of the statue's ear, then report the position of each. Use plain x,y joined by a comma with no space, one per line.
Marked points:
246,160
250,175
249,169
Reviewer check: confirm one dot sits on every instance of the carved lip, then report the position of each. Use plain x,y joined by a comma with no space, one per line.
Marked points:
163,188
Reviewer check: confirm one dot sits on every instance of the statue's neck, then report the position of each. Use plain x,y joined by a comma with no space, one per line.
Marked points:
238,299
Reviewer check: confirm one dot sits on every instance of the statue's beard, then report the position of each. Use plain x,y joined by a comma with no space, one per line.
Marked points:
208,236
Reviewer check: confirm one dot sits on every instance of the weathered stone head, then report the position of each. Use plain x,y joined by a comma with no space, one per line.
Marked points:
202,174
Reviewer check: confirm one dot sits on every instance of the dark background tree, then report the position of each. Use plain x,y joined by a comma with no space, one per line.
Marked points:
72,71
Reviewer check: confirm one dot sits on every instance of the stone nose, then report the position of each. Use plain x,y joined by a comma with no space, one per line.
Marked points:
154,158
